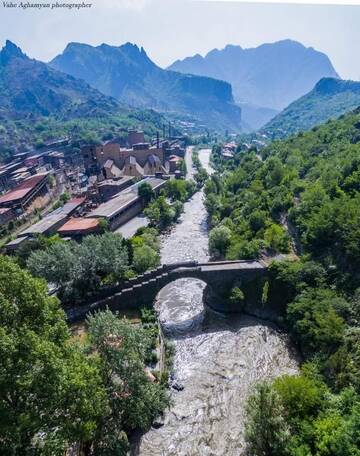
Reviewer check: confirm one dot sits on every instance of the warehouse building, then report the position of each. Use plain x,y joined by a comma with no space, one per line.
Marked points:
24,194
125,205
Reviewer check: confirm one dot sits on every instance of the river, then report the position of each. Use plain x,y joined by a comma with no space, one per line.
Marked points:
218,359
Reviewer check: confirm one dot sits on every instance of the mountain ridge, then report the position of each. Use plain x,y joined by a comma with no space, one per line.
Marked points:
31,86
271,75
40,104
128,74
329,99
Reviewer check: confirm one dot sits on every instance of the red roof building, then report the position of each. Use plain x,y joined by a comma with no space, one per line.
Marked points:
22,195
78,227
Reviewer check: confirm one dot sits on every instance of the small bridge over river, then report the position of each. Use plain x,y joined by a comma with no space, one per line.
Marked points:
219,276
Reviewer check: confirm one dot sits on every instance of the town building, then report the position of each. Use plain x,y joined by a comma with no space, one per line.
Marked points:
125,205
135,158
6,215
79,227
49,224
22,196
110,187
174,163
135,137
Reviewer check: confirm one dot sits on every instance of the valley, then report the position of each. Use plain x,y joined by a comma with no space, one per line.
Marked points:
179,230
207,415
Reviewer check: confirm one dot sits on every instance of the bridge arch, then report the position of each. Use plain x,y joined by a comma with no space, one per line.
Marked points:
180,307
219,278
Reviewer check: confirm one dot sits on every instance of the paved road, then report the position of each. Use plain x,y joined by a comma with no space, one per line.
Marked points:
129,228
188,162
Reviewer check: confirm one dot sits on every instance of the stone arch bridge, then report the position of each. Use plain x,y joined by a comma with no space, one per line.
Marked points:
219,276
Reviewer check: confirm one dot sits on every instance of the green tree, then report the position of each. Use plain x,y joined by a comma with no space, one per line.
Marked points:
332,437
146,192
77,269
176,189
134,400
160,212
301,396
103,225
49,391
237,298
219,241
266,430
201,177
277,238
145,258
315,322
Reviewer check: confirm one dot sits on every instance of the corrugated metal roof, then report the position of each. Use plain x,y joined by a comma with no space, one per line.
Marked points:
23,189
55,217
79,224
124,198
113,206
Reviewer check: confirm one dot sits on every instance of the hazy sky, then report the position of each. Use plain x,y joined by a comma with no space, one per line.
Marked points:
172,29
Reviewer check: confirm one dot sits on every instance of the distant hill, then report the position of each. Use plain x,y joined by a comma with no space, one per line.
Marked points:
329,99
255,117
271,75
126,73
30,87
39,103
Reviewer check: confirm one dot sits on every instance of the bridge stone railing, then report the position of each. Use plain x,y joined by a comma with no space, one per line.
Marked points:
143,289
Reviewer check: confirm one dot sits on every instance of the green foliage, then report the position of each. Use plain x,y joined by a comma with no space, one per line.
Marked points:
64,197
146,192
314,321
48,387
179,189
301,396
318,422
276,238
329,99
145,258
145,250
304,188
103,225
79,269
55,393
237,297
265,292
201,177
267,431
134,400
219,241
40,242
306,184
161,213
175,189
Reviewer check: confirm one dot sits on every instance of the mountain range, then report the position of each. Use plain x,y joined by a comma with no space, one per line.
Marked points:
330,98
39,104
269,76
127,74
32,88
87,83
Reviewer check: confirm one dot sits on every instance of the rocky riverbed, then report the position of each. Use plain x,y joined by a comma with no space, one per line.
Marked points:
218,358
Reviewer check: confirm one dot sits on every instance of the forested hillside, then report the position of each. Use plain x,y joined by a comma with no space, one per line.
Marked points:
329,99
39,104
302,194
